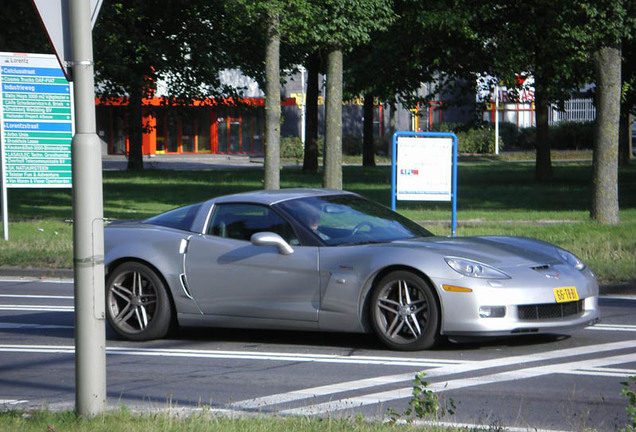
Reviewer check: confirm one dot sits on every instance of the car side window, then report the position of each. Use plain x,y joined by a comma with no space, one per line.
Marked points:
241,221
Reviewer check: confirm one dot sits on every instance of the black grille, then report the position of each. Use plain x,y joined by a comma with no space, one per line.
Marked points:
549,311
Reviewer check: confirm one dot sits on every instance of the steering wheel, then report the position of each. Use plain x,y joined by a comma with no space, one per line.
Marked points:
360,226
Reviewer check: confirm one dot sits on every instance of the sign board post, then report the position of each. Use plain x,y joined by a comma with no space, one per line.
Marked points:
424,168
36,125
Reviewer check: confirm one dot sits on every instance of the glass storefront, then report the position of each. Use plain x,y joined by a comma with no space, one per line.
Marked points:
111,128
240,130
179,130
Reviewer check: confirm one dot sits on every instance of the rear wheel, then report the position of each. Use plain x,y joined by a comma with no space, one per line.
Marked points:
404,312
137,303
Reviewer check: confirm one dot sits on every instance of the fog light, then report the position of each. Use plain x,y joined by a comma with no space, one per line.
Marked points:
492,311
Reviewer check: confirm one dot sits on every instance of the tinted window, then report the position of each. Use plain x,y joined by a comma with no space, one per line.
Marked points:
180,218
241,221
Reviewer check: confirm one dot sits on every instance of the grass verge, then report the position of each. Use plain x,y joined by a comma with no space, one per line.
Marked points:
494,198
203,421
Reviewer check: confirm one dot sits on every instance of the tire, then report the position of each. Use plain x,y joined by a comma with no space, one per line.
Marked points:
405,313
137,303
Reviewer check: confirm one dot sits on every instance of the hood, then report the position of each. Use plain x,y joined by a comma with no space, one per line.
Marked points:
497,251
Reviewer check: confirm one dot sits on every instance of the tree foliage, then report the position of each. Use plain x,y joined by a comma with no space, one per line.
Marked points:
139,43
21,29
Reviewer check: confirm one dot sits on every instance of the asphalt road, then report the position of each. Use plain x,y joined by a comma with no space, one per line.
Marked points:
555,382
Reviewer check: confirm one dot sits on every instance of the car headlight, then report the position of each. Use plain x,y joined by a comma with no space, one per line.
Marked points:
571,259
474,269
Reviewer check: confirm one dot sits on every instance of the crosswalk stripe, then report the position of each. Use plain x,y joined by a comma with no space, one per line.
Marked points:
375,398
438,372
613,327
37,308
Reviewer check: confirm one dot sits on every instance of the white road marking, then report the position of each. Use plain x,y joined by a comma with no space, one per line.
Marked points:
321,391
44,280
275,356
407,392
40,349
613,327
376,398
12,401
240,355
36,308
34,296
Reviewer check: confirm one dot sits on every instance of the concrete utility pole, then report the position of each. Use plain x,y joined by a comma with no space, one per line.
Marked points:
88,226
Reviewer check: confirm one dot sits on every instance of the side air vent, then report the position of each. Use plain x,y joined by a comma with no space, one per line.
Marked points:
184,285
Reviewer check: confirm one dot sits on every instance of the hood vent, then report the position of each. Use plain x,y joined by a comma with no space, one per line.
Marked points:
541,268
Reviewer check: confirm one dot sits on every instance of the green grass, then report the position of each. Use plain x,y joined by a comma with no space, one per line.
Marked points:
494,197
38,243
199,421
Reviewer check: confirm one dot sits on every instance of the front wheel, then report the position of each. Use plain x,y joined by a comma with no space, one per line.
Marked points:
404,312
137,303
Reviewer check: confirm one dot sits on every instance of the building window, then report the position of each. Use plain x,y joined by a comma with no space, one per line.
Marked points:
240,130
111,128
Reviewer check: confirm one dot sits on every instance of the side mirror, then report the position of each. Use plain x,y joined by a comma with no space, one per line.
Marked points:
272,239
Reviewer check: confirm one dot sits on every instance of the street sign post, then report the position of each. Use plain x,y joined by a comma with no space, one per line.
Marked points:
73,19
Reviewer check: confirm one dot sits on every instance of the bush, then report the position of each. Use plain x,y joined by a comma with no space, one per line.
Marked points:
351,145
526,139
563,136
508,133
292,148
572,136
472,138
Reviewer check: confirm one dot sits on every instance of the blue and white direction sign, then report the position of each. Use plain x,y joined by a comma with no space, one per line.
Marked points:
36,122
424,168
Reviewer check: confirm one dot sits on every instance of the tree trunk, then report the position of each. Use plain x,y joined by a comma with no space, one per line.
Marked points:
607,64
543,165
272,104
368,151
333,121
135,131
310,161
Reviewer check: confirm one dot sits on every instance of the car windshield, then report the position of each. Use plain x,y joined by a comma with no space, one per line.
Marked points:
349,219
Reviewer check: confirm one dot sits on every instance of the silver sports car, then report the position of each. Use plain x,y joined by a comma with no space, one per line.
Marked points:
314,259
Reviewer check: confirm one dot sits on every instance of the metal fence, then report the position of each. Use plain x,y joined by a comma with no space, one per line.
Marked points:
576,110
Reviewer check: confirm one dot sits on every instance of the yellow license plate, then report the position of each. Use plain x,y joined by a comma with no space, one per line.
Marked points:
565,294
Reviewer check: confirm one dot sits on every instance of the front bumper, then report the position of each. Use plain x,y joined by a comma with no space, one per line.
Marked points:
528,307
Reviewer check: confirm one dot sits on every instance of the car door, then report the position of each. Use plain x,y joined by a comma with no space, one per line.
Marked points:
229,276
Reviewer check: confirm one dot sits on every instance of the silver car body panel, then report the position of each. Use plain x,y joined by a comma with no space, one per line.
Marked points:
234,278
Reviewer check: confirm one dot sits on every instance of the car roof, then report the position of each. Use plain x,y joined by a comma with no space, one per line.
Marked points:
273,196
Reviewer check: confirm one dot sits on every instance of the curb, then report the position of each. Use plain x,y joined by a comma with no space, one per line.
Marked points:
36,273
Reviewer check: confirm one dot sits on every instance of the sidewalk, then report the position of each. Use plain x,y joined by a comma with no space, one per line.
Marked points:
185,162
